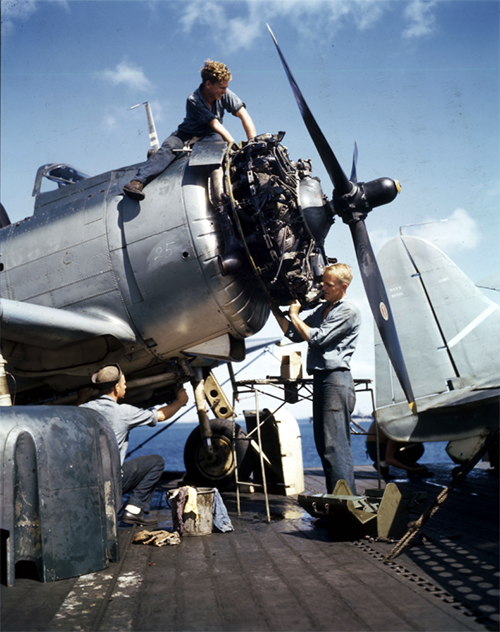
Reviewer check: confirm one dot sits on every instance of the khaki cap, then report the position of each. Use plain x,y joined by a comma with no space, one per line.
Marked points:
107,376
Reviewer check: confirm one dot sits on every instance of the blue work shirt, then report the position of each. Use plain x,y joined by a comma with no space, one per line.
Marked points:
122,418
331,341
199,114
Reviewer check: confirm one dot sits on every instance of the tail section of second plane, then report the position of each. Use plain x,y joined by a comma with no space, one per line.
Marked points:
449,332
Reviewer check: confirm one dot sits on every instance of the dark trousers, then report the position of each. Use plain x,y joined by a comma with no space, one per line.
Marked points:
161,159
141,475
333,402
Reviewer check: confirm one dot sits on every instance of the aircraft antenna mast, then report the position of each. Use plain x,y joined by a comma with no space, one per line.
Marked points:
153,136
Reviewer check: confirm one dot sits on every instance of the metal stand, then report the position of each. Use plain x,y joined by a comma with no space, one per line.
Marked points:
293,391
262,458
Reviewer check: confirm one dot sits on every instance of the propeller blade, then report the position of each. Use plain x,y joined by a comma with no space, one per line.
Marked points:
354,175
353,211
379,304
337,176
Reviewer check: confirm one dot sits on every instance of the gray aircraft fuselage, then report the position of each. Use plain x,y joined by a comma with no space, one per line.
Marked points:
95,277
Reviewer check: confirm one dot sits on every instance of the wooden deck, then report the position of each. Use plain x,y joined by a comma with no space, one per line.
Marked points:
288,575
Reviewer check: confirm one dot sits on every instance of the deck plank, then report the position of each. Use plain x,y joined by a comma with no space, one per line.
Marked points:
289,575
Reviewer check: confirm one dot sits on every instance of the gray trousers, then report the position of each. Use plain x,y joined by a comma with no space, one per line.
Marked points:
333,402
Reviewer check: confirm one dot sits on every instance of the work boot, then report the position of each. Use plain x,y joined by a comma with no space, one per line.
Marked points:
134,190
141,519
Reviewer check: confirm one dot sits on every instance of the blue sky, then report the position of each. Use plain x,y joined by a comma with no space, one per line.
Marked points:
415,83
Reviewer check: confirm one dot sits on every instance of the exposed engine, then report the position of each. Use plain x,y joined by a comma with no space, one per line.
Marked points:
274,214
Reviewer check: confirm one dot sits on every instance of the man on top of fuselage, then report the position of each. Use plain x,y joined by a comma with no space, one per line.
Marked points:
204,113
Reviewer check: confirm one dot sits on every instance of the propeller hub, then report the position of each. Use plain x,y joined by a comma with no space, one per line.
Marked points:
363,197
381,191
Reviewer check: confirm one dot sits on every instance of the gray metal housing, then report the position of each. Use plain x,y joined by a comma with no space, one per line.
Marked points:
60,490
110,279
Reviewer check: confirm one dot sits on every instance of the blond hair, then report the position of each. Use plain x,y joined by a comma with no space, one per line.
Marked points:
215,72
341,271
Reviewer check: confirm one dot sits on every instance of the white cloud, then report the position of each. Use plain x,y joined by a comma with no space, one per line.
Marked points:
242,31
16,12
205,13
242,23
128,74
119,120
422,21
458,232
17,9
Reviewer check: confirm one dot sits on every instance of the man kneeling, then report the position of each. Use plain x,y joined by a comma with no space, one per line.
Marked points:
141,474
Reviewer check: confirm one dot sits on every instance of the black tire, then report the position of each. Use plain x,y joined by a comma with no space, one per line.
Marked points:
219,473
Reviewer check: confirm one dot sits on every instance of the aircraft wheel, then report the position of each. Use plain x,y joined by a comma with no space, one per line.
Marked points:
203,472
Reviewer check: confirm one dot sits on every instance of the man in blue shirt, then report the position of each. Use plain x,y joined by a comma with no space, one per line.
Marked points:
139,475
204,113
331,331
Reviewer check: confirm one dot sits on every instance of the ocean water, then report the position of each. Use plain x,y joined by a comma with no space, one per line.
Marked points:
170,445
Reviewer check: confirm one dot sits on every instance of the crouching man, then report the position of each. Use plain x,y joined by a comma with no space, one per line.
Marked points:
141,474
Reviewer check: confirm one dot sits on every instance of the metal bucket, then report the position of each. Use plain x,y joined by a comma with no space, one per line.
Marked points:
202,523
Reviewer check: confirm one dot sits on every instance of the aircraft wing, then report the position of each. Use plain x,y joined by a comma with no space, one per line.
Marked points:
449,334
49,327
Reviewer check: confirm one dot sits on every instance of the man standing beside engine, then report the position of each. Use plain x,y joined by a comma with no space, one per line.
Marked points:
204,113
331,332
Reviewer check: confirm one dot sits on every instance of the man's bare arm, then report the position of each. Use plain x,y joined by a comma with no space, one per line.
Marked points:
169,411
247,122
217,126
283,322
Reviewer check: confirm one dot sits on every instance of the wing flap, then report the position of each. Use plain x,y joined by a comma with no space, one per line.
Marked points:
447,416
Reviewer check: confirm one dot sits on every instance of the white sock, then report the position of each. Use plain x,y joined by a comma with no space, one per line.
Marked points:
133,509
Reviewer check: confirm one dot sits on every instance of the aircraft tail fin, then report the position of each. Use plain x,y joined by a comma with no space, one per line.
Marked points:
449,330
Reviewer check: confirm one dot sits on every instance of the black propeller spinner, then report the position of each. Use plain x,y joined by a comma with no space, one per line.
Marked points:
352,201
